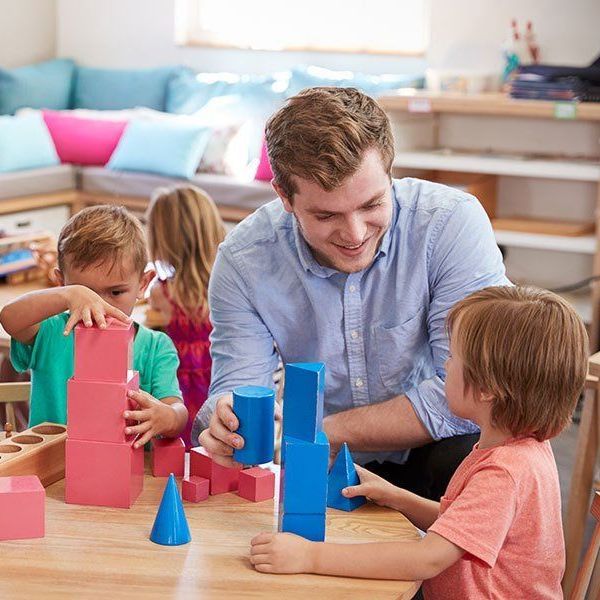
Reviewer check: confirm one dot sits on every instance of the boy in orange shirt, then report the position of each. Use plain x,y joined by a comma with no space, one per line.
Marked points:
517,365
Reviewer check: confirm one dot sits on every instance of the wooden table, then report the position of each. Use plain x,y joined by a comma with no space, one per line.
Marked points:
91,552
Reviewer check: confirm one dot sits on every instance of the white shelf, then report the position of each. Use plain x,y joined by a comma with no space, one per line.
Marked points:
518,166
582,302
581,244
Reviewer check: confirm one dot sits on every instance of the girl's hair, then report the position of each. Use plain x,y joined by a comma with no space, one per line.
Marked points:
184,231
528,349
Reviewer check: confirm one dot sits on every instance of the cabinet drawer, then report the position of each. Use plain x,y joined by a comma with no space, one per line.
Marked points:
50,219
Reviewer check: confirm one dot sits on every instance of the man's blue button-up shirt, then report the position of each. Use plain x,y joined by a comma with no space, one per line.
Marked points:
380,332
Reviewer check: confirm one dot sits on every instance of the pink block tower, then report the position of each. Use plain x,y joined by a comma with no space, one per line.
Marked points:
102,467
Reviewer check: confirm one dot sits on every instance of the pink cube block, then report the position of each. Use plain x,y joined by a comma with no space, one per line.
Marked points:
257,484
95,409
103,473
167,456
22,507
222,479
104,354
195,489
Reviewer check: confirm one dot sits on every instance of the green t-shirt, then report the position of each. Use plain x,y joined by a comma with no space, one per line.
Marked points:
50,359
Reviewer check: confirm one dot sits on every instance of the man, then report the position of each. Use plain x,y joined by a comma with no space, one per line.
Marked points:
358,271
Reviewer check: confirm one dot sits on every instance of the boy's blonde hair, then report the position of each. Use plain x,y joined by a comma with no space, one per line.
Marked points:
527,348
184,231
321,135
101,234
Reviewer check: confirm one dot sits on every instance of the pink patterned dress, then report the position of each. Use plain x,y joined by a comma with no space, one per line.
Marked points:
193,347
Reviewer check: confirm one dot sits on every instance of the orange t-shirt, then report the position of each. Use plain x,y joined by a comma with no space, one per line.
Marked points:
502,507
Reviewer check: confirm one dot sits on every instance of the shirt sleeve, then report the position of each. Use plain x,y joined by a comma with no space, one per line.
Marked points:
242,347
463,258
23,356
164,380
480,517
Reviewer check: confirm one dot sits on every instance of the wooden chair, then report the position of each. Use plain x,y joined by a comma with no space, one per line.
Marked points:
590,564
11,394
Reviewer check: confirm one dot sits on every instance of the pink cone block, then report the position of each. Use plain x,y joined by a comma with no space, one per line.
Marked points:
22,508
103,473
95,409
222,479
256,484
167,456
104,354
195,489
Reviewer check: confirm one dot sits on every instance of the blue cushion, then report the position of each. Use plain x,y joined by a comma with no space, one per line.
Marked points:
165,148
310,76
25,143
43,85
116,89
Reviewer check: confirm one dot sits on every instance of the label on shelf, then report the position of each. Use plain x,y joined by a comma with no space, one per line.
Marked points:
565,110
419,105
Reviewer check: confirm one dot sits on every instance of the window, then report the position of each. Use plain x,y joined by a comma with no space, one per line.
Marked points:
366,26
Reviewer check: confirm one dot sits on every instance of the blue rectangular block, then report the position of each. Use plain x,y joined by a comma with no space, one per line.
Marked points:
303,482
303,400
311,527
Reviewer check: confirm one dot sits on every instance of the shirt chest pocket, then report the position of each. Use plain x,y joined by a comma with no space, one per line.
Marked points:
400,351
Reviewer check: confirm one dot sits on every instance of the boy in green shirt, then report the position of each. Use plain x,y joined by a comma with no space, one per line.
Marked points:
102,257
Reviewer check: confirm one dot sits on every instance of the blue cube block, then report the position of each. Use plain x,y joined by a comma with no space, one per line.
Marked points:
343,474
303,400
303,480
311,527
254,406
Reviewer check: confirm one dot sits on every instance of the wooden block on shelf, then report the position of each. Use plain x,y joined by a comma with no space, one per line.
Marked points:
544,226
39,451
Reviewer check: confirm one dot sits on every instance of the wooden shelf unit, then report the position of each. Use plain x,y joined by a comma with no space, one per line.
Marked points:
422,116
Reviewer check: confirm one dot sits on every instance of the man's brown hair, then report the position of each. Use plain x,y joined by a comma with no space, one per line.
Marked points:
102,234
321,135
527,348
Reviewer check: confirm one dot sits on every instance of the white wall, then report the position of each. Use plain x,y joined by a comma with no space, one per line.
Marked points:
27,31
464,33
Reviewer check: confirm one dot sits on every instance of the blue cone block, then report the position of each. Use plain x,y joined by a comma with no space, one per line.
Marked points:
254,406
342,474
170,526
303,400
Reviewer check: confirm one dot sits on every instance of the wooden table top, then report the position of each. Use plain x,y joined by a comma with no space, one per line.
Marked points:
93,552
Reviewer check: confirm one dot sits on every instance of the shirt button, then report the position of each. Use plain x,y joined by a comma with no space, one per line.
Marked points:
352,288
359,382
354,334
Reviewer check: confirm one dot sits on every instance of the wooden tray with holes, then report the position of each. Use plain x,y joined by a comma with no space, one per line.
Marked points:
39,450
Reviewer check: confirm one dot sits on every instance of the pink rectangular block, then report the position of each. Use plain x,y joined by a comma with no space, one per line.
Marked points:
257,484
104,354
222,479
103,473
167,456
195,489
22,507
95,409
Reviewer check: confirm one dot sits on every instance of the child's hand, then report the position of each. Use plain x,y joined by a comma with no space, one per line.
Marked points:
155,417
372,486
282,553
86,306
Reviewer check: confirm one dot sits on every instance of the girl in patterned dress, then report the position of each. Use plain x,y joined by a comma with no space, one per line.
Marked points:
185,230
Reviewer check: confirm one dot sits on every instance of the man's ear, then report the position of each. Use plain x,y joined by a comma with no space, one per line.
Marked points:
287,203
57,276
145,281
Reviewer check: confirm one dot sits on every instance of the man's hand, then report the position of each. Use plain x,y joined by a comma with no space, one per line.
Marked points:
155,417
219,439
282,553
87,306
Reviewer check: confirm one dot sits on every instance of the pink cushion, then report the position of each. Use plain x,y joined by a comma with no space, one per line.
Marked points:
83,141
264,173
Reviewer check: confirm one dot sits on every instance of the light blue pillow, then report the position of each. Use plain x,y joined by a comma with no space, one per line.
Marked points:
161,147
117,89
43,85
311,76
25,143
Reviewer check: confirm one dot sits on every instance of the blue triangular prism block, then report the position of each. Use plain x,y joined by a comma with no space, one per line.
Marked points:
170,526
343,474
